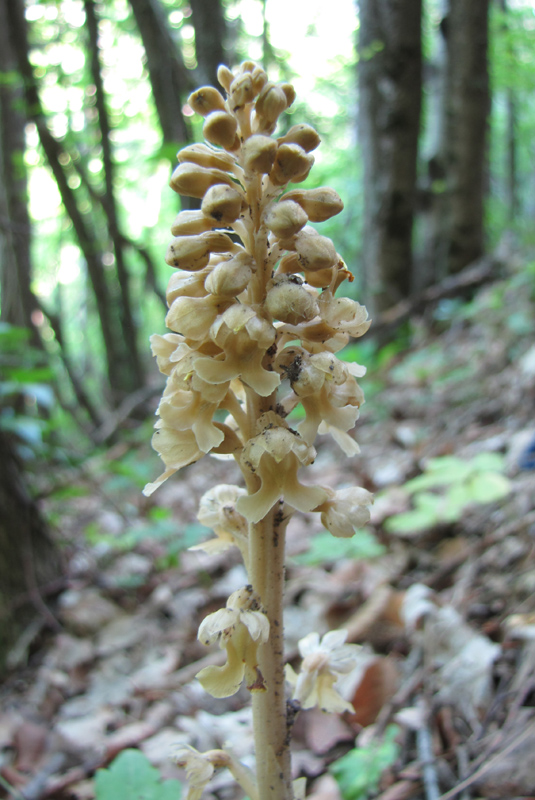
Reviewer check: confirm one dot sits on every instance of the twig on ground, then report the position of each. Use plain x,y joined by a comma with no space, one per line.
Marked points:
488,763
426,755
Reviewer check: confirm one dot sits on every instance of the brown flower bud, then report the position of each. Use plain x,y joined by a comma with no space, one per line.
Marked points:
206,156
191,222
314,252
290,302
221,128
286,218
289,92
259,79
193,252
205,100
192,316
230,278
186,284
224,76
304,135
193,181
320,204
223,204
291,164
259,153
270,104
241,91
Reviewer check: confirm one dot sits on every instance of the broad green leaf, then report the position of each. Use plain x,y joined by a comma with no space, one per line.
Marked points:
132,777
358,772
325,548
488,487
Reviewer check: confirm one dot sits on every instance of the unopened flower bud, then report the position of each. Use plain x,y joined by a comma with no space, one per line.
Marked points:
193,181
192,316
221,128
222,203
259,79
290,302
270,104
230,278
224,76
289,93
320,204
205,100
315,252
191,222
286,218
206,156
186,284
291,164
259,153
241,91
193,252
304,135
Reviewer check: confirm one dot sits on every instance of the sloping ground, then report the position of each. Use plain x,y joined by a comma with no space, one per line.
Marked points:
442,599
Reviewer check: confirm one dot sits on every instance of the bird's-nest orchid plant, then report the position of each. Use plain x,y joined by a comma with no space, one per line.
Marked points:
255,327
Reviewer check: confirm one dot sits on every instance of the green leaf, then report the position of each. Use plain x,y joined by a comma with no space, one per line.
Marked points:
358,772
489,487
425,515
132,776
326,548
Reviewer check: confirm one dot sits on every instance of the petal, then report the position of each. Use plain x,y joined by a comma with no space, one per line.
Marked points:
223,681
223,621
257,624
333,639
309,644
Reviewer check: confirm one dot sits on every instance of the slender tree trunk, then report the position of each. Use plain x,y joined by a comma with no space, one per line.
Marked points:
169,77
17,301
28,558
459,236
122,379
390,81
110,206
210,38
513,204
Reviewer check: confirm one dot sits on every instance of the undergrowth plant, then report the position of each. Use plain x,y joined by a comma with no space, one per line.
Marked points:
255,327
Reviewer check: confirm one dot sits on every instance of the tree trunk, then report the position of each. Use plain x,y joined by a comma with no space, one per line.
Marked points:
210,35
28,558
121,377
168,75
17,302
390,81
459,237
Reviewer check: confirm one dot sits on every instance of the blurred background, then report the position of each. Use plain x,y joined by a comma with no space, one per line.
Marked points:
426,114
427,120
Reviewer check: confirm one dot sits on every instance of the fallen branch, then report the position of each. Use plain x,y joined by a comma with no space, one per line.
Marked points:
480,272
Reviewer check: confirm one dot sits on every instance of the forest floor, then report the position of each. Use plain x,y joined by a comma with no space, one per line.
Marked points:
442,599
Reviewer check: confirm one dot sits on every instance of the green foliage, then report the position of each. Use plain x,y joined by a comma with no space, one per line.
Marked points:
159,526
326,548
25,392
358,772
447,487
132,776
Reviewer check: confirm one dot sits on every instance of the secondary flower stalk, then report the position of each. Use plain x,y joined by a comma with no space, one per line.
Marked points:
255,327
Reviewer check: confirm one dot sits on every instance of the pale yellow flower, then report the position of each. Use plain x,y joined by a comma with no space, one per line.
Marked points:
239,628
275,456
324,662
217,510
346,510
